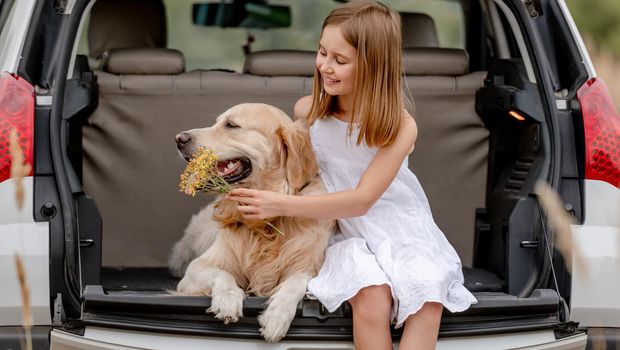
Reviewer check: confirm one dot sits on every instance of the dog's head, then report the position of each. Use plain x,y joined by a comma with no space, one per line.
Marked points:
257,145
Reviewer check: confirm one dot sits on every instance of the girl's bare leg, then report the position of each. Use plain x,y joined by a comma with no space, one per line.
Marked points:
422,328
371,318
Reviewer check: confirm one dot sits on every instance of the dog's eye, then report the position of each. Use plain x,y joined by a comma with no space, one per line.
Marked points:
231,125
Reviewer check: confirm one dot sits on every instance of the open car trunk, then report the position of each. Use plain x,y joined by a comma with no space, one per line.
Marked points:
482,202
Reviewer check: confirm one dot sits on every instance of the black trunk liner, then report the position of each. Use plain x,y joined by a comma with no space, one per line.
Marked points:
138,278
160,279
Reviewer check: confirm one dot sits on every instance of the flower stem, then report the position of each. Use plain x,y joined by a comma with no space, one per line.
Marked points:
274,227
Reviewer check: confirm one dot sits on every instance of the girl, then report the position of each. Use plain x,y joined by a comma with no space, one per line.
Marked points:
389,260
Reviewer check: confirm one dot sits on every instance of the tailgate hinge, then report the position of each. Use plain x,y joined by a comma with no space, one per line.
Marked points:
58,318
565,329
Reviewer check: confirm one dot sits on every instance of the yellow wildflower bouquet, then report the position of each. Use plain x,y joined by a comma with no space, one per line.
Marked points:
201,175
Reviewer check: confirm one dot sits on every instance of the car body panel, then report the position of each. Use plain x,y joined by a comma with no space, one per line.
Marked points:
594,295
20,234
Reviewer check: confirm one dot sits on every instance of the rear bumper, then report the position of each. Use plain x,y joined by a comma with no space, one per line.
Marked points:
103,339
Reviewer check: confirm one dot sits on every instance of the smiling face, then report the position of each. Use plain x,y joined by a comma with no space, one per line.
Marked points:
336,60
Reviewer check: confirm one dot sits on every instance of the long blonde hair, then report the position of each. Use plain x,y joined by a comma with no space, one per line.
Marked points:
375,31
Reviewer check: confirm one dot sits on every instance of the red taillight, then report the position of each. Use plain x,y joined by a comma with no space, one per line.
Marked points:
16,112
602,132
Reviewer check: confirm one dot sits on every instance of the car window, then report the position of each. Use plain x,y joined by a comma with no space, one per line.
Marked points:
209,47
222,48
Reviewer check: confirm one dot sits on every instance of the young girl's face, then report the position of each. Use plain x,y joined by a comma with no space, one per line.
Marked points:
337,62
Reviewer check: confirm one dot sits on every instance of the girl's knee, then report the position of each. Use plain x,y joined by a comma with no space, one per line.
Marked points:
373,294
372,301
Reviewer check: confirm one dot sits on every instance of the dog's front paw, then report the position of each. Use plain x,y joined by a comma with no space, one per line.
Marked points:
228,305
276,320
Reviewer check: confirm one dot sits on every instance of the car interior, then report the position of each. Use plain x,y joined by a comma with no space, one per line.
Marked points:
473,160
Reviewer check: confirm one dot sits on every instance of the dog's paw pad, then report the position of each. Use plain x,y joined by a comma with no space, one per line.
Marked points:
223,317
226,318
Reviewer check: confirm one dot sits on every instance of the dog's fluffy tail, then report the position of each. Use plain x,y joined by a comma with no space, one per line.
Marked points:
181,256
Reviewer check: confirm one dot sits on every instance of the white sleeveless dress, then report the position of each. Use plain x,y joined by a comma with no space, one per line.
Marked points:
396,243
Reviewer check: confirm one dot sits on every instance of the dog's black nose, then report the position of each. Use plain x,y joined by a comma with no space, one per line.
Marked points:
183,138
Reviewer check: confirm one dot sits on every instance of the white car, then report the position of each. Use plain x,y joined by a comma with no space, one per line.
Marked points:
505,95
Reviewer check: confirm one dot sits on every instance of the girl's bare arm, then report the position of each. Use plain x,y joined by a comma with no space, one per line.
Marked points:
355,202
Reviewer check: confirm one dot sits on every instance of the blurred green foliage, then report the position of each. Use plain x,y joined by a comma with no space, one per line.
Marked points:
598,20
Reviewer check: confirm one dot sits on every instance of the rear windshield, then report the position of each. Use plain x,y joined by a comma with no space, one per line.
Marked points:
222,48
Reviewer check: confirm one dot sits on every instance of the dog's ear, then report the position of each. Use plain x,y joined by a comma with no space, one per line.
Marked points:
297,156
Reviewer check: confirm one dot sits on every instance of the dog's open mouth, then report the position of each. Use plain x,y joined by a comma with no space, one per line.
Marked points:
235,169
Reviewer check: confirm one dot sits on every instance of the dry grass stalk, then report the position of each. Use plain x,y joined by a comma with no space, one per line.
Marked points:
561,222
25,290
18,168
18,171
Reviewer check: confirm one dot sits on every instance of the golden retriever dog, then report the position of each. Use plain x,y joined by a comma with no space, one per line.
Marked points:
257,146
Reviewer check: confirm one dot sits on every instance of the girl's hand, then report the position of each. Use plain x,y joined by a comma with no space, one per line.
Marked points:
258,205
